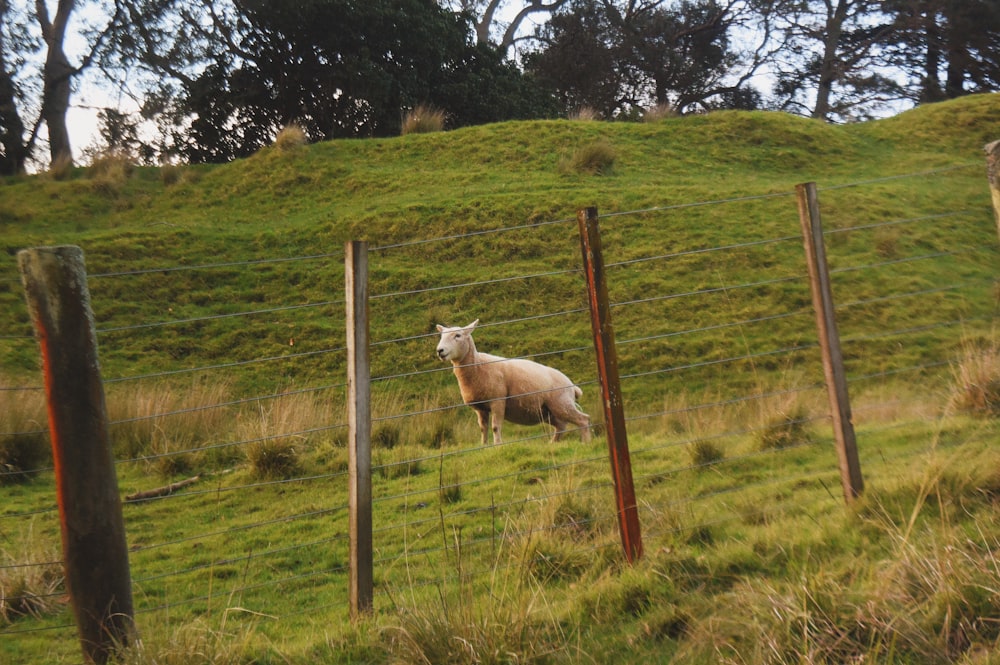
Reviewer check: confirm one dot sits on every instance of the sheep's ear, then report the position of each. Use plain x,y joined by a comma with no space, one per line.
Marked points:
472,325
440,328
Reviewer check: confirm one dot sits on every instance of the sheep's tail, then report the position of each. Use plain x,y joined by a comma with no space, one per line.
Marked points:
577,392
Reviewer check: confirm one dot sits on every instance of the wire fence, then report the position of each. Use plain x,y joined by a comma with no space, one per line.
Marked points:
217,373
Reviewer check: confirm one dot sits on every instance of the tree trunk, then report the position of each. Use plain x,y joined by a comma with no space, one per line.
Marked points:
931,88
15,153
58,75
828,73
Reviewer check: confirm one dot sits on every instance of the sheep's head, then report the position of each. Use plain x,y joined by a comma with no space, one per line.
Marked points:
454,343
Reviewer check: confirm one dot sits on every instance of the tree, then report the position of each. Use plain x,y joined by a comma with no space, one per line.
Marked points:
230,76
30,96
14,43
617,57
498,22
834,67
948,48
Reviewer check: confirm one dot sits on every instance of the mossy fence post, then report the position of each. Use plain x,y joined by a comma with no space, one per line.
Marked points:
611,394
993,174
359,428
829,341
95,553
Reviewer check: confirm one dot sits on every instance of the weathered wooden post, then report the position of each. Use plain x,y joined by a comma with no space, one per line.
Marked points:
95,553
611,394
829,340
993,174
359,426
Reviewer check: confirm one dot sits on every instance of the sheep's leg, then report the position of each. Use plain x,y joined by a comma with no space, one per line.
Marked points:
483,415
497,410
584,427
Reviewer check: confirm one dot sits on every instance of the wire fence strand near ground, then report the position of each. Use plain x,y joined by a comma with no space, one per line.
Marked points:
721,380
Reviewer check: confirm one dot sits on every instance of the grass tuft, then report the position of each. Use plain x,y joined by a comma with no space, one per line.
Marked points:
423,120
976,381
31,581
659,112
596,158
785,430
24,445
290,138
110,172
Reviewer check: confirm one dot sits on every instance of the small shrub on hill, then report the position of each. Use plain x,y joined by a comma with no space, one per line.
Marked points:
584,113
291,137
977,381
273,458
597,158
110,171
704,453
423,120
659,112
785,430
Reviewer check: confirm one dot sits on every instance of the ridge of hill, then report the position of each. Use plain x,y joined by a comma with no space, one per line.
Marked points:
307,200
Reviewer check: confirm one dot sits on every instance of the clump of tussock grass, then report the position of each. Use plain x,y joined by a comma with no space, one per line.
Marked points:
110,171
555,533
401,462
423,120
659,112
459,627
450,487
31,580
585,114
291,138
703,453
276,433
192,644
785,429
976,381
596,158
24,441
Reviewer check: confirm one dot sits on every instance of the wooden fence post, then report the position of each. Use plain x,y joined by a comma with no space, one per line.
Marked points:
829,340
993,174
95,553
359,424
611,395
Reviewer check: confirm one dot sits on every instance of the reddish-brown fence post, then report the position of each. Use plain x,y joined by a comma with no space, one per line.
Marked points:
829,340
359,426
95,553
611,394
993,174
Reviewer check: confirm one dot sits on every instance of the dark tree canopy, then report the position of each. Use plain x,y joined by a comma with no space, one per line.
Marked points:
948,48
619,57
336,68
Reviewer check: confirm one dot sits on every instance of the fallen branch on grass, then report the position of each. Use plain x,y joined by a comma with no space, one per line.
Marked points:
161,491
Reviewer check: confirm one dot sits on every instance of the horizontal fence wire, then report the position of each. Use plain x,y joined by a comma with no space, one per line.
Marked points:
422,535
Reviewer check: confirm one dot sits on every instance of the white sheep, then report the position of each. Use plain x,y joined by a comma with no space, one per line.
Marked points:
521,391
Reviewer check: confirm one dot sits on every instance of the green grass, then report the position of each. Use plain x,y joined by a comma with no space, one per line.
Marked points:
510,553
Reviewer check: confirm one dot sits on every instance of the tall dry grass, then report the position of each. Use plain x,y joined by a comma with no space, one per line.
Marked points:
423,120
24,440
31,579
508,620
167,425
976,378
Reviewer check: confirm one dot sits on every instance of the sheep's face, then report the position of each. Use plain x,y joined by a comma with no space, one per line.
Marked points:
454,343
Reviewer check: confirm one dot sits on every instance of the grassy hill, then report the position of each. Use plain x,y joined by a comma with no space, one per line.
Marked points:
223,285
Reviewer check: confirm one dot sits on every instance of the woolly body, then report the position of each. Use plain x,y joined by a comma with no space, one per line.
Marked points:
521,391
